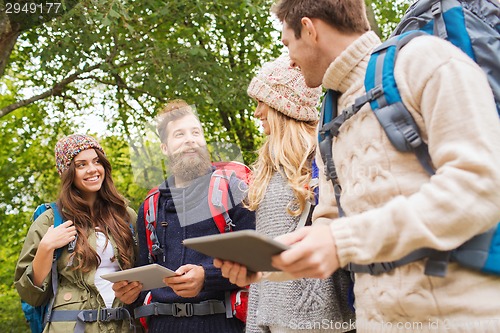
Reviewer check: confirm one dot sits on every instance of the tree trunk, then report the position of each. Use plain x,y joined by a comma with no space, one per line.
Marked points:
12,26
371,18
8,38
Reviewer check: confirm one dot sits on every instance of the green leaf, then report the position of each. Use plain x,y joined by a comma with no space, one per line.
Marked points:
113,13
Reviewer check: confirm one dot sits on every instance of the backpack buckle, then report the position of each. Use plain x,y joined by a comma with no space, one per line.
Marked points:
72,244
436,8
109,314
412,137
350,111
375,92
380,267
182,310
156,249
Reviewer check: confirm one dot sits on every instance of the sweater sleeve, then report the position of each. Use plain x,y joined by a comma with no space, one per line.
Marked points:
23,279
449,96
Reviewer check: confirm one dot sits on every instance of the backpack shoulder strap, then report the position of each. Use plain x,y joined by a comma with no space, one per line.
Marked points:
314,183
386,103
403,133
306,216
241,171
150,214
132,224
58,220
329,126
218,193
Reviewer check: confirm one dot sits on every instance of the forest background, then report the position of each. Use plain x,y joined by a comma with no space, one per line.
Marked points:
104,67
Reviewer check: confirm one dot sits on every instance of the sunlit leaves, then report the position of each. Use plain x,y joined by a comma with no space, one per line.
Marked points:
387,14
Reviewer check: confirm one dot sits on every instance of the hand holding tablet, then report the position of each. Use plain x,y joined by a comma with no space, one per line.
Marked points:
151,276
246,247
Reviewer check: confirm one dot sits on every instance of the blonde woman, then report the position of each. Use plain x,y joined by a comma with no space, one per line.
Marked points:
279,193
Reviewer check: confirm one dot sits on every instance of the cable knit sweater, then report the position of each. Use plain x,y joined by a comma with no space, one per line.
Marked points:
308,305
392,205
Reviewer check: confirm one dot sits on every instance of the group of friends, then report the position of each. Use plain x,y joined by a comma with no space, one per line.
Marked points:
392,206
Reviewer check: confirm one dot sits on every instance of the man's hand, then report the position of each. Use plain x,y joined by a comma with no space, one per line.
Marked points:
189,282
236,273
313,253
127,292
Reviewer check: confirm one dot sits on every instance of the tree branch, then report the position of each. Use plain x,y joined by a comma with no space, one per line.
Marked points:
72,99
56,90
120,84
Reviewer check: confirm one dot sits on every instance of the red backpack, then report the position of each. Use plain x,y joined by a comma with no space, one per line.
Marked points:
218,201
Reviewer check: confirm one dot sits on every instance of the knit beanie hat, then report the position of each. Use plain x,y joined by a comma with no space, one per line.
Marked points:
70,146
283,88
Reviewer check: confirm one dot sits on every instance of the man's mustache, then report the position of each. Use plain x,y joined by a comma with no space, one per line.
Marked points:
198,150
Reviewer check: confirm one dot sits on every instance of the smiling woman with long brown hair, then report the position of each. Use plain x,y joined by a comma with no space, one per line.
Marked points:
96,238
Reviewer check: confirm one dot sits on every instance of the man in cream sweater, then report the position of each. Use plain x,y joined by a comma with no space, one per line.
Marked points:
392,206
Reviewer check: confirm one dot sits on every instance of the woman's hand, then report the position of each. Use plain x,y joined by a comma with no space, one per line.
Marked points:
58,237
236,273
53,239
127,292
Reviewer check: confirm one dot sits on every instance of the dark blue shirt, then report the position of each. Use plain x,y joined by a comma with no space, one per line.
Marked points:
184,213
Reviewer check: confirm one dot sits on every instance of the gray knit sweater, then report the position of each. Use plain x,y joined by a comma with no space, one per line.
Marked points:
307,305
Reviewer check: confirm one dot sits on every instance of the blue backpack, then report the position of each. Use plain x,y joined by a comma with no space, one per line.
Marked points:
474,27
37,315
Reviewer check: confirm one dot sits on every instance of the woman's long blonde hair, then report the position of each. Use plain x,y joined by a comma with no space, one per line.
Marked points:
289,149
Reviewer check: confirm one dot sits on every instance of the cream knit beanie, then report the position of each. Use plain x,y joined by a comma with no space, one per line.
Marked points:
283,88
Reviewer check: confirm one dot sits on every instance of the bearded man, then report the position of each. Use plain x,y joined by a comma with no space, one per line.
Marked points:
183,212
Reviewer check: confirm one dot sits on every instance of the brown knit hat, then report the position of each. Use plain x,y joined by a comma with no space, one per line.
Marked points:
70,146
283,88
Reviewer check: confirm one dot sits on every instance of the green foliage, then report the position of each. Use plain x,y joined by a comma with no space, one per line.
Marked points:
388,13
118,152
11,317
28,176
31,13
133,56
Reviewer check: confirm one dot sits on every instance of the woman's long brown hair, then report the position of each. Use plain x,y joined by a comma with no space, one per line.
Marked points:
109,214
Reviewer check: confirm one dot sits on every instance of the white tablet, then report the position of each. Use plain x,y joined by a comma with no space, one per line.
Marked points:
151,276
246,247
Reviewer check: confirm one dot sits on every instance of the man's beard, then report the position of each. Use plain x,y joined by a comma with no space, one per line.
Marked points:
190,167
